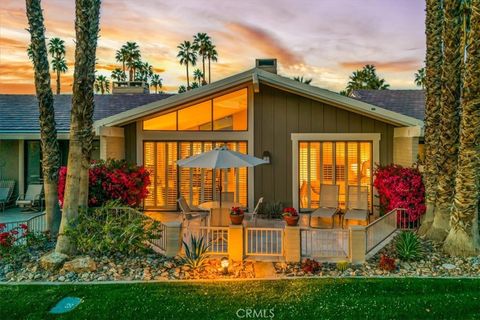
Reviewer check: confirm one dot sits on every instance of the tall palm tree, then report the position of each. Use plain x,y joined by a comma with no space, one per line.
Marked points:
463,238
132,56
433,92
366,78
182,89
118,74
202,43
121,56
212,56
302,80
48,131
449,120
143,71
198,75
56,48
187,55
420,78
156,82
87,14
102,84
30,52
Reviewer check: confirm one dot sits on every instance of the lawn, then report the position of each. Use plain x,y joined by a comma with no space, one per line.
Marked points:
284,299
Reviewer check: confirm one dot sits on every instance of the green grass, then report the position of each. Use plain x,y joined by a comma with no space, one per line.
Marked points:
289,299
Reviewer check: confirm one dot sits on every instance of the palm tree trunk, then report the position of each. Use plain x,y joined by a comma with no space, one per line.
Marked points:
203,70
434,57
463,238
188,79
209,71
450,121
58,82
48,131
86,29
123,65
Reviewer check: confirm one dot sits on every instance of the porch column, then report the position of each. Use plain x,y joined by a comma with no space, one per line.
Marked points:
235,242
21,166
112,143
173,236
358,244
292,244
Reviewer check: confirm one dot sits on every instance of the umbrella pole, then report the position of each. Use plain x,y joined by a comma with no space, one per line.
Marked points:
220,188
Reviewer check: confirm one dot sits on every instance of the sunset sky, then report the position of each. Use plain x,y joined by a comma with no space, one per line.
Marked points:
324,39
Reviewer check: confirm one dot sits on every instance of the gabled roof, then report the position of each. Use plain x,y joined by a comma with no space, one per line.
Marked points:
19,113
407,102
254,76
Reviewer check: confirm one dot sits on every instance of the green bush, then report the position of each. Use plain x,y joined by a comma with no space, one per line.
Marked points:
408,246
272,209
105,230
196,253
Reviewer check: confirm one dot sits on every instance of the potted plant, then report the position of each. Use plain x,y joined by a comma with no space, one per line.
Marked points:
236,215
291,216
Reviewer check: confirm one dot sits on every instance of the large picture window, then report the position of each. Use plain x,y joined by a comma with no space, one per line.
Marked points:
224,113
333,162
168,181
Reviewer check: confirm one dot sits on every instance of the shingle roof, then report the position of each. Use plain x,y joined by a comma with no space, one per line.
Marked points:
19,113
407,102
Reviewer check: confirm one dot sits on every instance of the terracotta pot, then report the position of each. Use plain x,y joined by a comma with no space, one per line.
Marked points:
236,219
291,220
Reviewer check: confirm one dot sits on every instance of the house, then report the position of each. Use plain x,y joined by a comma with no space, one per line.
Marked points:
311,136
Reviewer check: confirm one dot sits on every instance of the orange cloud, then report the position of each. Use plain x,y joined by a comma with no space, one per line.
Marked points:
395,66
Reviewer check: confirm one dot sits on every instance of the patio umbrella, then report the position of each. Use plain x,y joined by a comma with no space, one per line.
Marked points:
220,158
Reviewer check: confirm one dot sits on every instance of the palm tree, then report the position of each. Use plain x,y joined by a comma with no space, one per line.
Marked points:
187,55
30,52
121,56
449,120
81,119
202,43
366,78
420,78
182,89
197,75
302,80
463,238
212,55
156,82
195,85
132,57
433,92
102,84
56,48
118,74
48,131
143,71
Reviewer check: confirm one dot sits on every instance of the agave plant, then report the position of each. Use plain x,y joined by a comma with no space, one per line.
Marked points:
196,253
408,246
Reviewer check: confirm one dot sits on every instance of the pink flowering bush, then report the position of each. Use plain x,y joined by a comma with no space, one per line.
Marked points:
400,187
112,180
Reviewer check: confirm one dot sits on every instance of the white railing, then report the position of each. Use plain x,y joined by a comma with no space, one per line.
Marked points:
35,225
324,243
216,236
381,229
403,221
264,241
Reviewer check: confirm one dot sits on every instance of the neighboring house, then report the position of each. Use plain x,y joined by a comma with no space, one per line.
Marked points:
312,136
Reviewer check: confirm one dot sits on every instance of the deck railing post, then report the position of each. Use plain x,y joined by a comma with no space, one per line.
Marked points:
358,244
291,244
173,238
235,242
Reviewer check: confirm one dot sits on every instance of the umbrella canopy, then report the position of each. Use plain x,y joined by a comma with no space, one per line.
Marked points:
220,158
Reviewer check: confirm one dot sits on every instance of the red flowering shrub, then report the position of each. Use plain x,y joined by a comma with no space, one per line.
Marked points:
311,266
9,237
387,263
112,180
400,187
289,211
236,211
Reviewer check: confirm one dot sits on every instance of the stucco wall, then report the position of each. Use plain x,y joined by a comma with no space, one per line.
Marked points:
9,161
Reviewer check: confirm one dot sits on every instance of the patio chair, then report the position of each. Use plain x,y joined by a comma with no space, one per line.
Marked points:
188,214
7,188
328,205
32,197
357,204
253,217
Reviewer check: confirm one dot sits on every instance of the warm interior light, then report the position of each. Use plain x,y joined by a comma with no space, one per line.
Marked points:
224,263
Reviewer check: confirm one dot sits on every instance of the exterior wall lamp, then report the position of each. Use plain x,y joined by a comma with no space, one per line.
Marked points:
267,157
224,263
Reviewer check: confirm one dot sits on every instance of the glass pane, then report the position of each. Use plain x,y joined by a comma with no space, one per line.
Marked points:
34,162
340,171
149,163
314,174
303,174
353,166
197,117
327,162
164,122
230,111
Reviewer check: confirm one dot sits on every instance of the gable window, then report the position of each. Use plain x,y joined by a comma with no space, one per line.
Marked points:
224,113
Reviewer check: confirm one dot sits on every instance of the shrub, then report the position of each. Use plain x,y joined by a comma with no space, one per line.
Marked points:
342,265
400,187
16,242
106,230
196,253
311,266
387,263
408,246
112,180
272,209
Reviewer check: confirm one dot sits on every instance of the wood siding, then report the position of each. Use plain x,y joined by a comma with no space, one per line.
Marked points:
278,114
130,132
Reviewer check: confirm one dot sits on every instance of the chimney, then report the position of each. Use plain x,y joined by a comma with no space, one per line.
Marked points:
269,65
129,87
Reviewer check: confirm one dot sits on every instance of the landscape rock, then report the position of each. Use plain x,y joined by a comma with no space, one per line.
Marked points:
52,261
80,265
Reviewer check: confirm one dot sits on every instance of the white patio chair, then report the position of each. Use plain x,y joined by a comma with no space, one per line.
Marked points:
328,205
3,197
32,197
188,214
357,204
254,214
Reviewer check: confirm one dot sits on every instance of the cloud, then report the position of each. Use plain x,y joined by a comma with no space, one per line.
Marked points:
265,42
393,66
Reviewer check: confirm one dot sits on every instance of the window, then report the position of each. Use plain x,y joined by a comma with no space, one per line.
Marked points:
224,113
342,163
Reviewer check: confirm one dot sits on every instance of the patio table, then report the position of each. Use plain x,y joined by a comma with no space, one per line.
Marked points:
219,218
